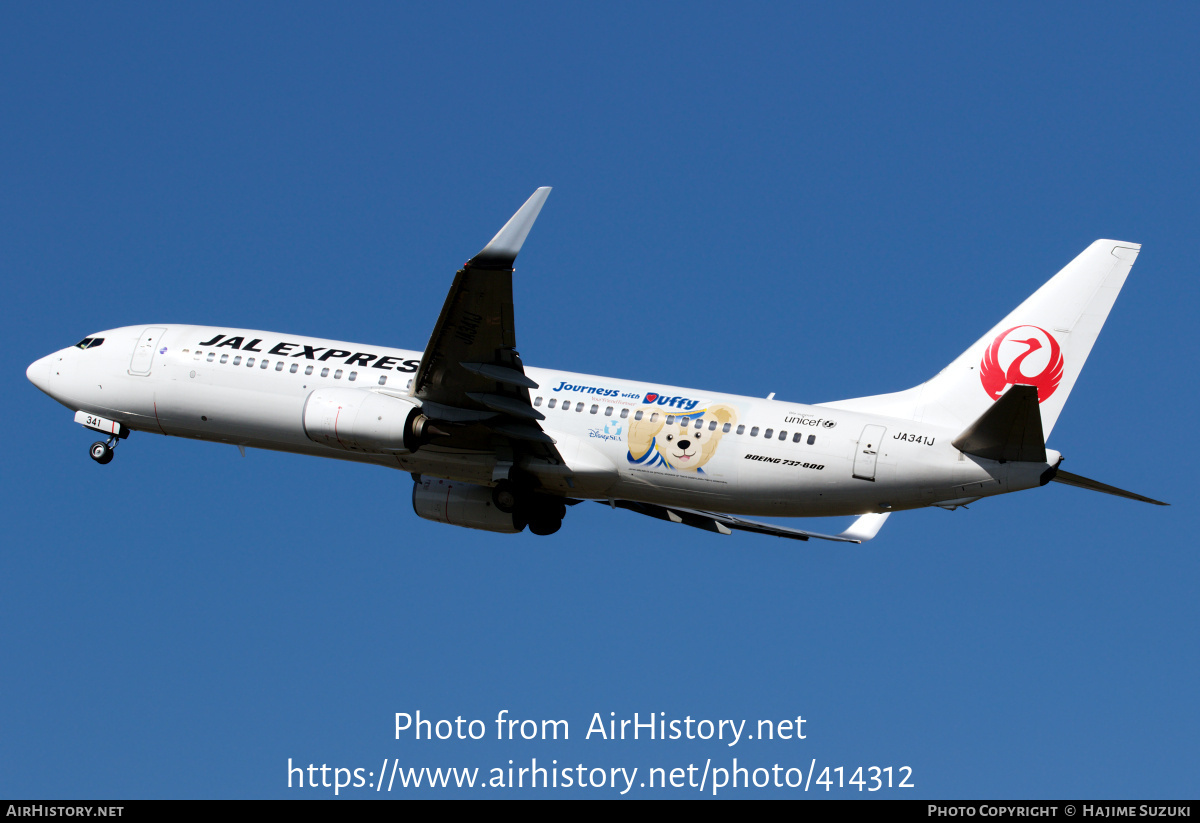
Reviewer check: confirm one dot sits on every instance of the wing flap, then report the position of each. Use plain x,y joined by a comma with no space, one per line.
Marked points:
500,374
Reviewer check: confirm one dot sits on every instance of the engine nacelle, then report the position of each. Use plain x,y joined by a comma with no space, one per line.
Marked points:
462,504
360,420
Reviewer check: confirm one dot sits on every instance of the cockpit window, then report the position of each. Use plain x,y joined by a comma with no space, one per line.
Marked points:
89,342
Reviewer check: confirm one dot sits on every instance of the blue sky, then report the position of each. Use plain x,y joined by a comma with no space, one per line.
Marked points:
821,202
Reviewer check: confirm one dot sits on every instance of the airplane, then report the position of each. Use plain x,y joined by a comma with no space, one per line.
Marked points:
494,445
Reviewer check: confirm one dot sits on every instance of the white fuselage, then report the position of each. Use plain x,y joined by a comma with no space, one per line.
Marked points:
619,439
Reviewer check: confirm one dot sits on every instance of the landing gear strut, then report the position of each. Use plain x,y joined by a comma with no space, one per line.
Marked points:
103,452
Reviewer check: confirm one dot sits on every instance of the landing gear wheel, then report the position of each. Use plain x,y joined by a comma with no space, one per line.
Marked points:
544,526
505,497
101,452
554,509
546,515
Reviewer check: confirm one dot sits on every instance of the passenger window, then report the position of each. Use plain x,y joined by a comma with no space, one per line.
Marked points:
210,357
637,415
726,428
249,362
409,386
537,401
224,358
754,431
553,400
279,365
740,429
595,408
579,406
812,438
653,417
295,368
767,434
712,427
352,376
624,413
237,361
199,354
608,411
325,372
262,364
782,434
797,437
383,379
337,375
700,423
670,419
308,369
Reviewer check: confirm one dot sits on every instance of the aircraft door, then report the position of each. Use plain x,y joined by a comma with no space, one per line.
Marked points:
143,353
867,453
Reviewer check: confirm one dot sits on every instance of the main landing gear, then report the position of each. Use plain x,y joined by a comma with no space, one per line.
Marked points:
543,513
102,452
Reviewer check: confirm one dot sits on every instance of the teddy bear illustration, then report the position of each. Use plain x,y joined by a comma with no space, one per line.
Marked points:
685,445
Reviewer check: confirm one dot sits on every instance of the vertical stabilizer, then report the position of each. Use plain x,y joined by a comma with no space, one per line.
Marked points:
1044,343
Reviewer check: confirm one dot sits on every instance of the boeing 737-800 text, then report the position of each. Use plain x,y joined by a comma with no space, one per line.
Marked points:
492,444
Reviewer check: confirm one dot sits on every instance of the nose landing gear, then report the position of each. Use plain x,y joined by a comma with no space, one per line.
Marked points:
102,452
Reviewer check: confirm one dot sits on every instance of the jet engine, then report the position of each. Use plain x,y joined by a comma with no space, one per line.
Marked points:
360,420
462,504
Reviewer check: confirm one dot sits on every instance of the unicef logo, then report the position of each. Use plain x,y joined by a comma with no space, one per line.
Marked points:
612,427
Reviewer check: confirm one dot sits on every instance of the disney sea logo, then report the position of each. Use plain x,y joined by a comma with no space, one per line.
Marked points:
611,431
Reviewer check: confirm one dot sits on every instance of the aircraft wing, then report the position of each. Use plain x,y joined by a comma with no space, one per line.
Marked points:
862,530
471,375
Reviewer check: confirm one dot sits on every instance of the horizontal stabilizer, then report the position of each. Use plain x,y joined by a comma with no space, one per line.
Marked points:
862,530
1086,483
1010,429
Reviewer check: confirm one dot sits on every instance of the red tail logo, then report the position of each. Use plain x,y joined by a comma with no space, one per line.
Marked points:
1026,355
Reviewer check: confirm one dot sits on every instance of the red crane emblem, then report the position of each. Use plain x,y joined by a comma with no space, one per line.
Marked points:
995,377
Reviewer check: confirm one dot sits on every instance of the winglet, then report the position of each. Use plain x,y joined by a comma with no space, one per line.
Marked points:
865,527
502,251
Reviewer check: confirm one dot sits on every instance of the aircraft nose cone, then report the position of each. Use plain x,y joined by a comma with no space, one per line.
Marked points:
39,373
